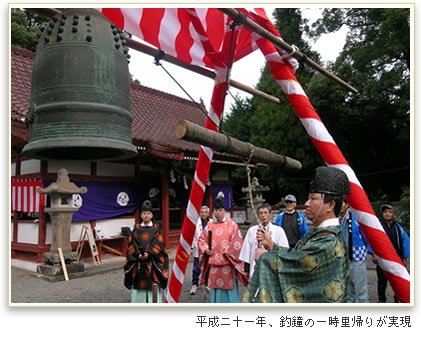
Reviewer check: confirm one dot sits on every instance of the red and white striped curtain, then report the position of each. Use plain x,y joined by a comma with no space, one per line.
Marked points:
25,198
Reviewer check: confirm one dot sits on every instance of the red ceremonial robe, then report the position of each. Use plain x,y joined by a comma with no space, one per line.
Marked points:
226,247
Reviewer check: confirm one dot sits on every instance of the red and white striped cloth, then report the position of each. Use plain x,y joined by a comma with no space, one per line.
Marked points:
193,35
387,257
25,198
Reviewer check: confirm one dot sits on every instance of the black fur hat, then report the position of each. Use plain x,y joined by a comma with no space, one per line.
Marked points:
146,206
330,180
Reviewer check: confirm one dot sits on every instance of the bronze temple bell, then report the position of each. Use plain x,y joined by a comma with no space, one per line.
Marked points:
80,95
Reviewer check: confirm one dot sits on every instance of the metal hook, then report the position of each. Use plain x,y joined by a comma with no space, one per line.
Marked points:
159,57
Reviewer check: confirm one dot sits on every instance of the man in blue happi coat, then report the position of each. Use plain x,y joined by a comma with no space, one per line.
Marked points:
293,222
356,248
399,240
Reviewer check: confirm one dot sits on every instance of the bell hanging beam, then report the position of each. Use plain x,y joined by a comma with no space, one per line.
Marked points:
280,43
191,132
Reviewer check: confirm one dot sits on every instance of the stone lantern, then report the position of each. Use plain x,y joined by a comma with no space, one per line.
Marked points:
61,211
255,191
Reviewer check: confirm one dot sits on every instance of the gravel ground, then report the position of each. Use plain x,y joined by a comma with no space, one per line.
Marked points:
107,287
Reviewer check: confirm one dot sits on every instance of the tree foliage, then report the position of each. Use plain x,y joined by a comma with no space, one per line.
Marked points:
25,26
371,128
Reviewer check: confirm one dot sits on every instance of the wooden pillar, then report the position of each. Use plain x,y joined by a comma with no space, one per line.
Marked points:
210,201
42,217
15,226
42,233
42,229
44,168
18,165
165,206
15,231
137,219
16,213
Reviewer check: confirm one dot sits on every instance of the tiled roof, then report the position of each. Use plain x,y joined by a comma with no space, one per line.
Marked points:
20,82
154,112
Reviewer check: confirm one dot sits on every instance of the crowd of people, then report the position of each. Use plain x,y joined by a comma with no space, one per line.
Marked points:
281,262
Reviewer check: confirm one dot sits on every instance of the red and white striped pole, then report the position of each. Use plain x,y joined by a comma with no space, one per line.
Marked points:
219,60
196,194
388,259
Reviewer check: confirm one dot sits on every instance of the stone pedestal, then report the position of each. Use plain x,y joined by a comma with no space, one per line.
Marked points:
56,270
52,265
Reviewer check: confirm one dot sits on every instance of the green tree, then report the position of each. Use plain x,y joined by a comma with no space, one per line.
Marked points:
25,27
403,215
371,127
238,123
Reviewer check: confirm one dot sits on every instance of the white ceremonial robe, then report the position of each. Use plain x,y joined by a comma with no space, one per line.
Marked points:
250,243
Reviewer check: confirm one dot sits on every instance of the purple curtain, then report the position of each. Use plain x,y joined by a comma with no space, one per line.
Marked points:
109,199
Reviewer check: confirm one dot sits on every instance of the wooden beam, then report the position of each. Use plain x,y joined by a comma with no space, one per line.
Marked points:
63,264
191,132
108,248
280,43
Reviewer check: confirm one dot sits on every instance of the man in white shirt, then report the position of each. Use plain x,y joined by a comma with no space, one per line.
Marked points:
250,244
200,226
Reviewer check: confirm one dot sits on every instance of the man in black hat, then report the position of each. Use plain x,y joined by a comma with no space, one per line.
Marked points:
147,259
399,240
316,269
